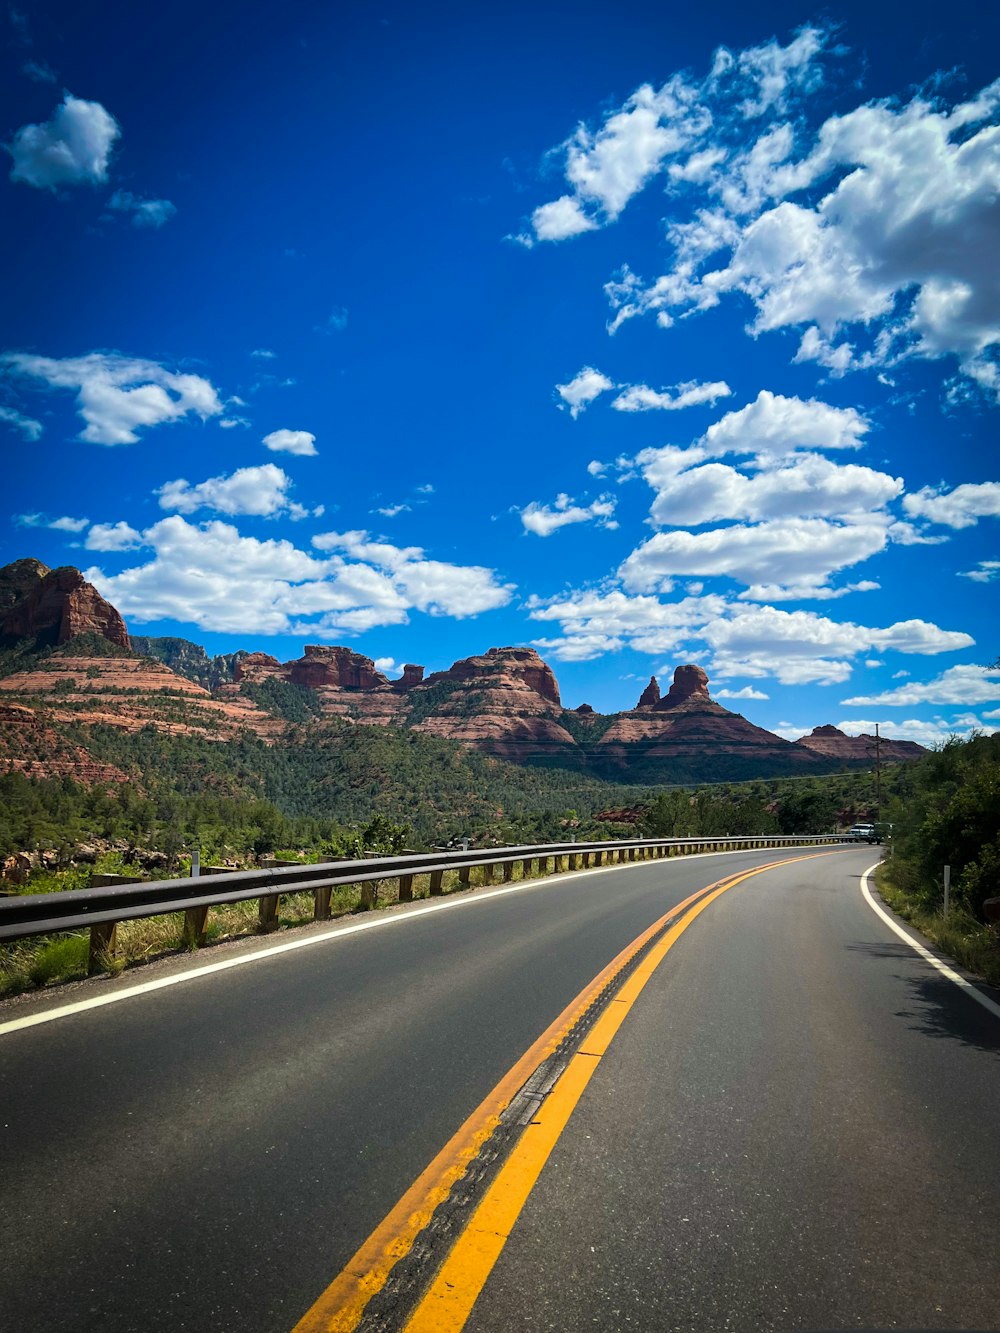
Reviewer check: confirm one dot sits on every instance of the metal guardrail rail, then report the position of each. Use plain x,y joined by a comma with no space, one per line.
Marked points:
101,909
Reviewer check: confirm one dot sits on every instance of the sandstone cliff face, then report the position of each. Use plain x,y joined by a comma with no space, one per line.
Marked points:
60,606
29,745
834,744
18,579
521,665
339,667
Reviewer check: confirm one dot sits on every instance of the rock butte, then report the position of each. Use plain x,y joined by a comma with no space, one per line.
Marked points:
504,702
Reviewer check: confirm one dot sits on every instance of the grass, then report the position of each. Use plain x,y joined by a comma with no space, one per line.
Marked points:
33,964
959,935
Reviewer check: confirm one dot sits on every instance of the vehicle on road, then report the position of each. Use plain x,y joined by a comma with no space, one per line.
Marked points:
864,833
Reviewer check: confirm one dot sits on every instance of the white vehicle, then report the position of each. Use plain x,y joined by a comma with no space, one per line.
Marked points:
863,833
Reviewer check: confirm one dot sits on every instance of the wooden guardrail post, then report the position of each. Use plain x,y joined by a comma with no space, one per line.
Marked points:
406,888
103,937
321,910
369,895
195,927
574,861
463,876
508,871
268,913
435,886
526,868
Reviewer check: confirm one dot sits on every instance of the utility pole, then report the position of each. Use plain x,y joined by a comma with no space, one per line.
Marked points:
878,776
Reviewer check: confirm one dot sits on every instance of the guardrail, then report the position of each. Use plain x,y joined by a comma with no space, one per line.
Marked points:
102,909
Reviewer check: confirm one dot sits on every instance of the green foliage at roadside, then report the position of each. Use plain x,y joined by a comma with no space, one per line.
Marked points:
945,810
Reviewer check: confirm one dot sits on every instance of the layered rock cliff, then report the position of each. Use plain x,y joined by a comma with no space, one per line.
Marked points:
55,606
834,744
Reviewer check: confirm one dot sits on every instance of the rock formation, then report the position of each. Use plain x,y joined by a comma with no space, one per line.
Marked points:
339,667
689,683
521,664
17,580
59,606
412,675
835,744
650,696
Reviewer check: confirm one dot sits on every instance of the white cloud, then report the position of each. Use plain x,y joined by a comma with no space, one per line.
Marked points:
766,74
560,219
747,692
118,395
299,442
640,398
387,665
807,486
985,572
957,685
809,550
261,491
962,507
391,511
212,576
113,537
582,389
889,238
263,354
596,468
928,732
64,524
29,428
776,425
543,520
73,147
145,212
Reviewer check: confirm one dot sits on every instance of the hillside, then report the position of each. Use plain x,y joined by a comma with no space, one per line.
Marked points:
66,651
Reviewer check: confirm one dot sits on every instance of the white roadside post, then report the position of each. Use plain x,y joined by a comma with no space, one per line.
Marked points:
947,888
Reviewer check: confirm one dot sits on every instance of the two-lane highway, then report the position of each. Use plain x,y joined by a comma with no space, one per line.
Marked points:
209,1156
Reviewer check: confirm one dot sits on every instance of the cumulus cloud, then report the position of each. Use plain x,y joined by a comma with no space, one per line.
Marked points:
212,576
640,398
299,442
774,425
29,428
118,395
764,553
73,147
874,235
747,692
957,685
261,491
582,389
145,212
113,537
795,647
962,507
543,520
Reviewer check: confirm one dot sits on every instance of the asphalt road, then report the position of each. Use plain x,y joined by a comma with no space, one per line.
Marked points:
207,1157
795,1127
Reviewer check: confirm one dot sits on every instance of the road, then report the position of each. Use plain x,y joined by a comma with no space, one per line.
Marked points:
793,1128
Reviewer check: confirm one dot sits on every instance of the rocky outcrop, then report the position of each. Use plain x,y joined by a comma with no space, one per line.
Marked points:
650,696
18,579
690,684
61,606
412,675
255,667
190,659
516,664
30,745
835,744
339,667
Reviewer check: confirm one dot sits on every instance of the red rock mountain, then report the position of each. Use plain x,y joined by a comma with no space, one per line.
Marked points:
504,702
834,744
55,606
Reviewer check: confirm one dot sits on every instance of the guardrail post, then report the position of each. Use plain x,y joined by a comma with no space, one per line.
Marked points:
526,868
463,876
269,913
574,861
435,886
195,924
321,911
508,871
103,937
406,888
369,895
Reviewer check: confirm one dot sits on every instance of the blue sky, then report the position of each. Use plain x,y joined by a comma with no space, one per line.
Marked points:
642,338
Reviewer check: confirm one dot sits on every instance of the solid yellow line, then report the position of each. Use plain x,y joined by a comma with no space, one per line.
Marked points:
448,1302
341,1305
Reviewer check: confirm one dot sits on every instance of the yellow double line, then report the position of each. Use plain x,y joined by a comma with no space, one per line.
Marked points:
447,1303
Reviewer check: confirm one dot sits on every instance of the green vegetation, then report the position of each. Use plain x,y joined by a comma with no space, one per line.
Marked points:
294,703
945,810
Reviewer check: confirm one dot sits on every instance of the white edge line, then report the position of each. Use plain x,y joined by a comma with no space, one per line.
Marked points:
479,896
973,991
